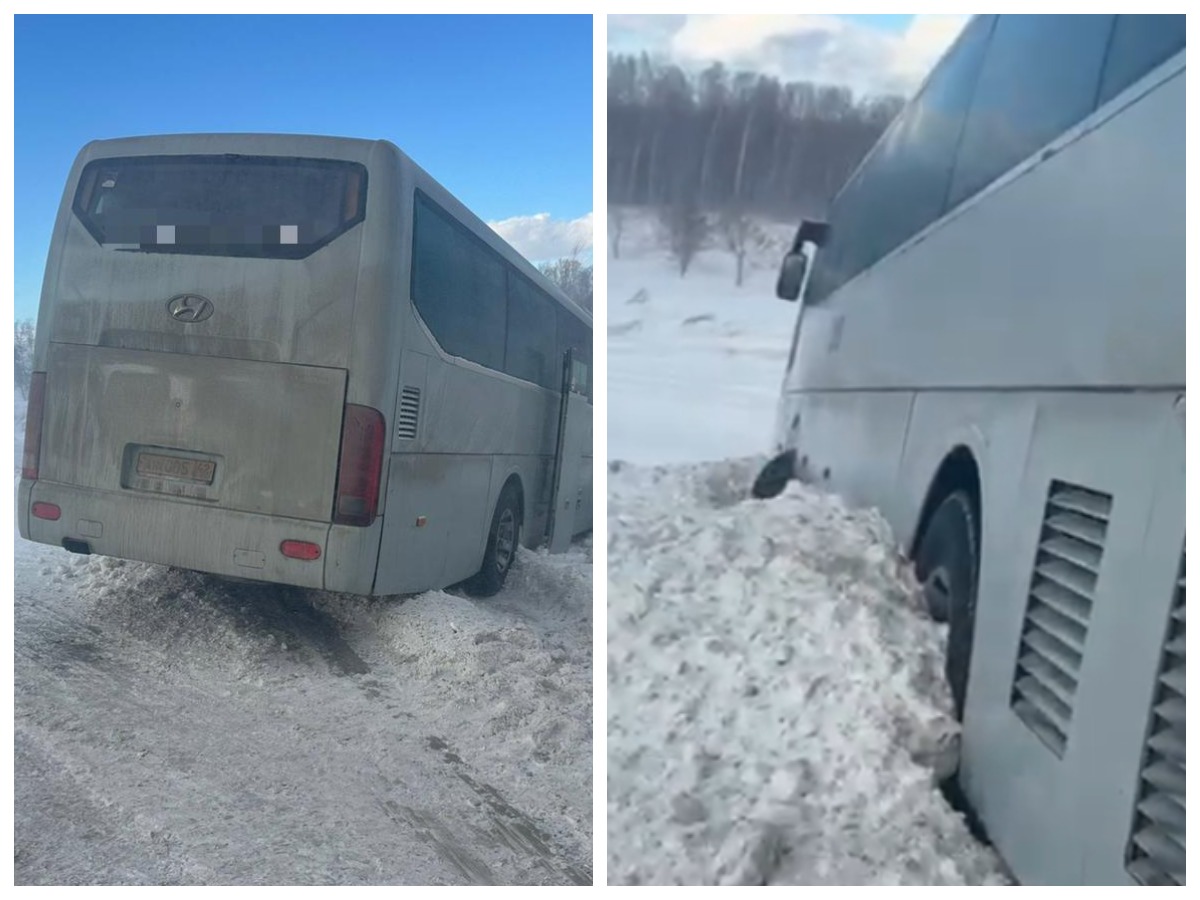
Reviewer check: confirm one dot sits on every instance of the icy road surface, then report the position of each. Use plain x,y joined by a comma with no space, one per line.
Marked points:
172,728
776,712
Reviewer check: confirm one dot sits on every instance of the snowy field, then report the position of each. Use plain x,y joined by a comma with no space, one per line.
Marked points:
174,728
695,363
776,711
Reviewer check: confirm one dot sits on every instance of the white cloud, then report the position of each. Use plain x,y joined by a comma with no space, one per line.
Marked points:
821,49
540,237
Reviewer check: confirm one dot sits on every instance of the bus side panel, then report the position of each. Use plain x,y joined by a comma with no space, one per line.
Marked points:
994,427
468,518
351,554
1021,788
856,438
433,533
465,418
535,475
1069,226
1132,630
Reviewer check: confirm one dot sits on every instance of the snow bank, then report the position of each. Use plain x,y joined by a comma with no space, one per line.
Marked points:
776,711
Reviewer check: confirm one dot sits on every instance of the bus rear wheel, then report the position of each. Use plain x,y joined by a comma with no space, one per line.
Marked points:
503,539
947,565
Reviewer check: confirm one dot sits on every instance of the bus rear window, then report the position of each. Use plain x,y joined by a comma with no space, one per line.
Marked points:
226,205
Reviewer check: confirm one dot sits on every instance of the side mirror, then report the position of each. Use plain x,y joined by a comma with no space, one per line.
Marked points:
791,276
812,232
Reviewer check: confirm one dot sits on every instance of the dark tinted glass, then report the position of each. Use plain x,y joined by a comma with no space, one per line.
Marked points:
262,206
530,350
1139,43
1041,76
574,335
902,186
458,286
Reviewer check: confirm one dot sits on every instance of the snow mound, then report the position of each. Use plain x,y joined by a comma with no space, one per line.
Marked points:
776,712
515,667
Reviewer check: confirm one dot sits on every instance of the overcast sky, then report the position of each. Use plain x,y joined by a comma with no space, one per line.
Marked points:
870,54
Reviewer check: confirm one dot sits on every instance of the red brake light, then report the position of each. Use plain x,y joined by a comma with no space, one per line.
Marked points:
356,500
49,511
300,550
33,426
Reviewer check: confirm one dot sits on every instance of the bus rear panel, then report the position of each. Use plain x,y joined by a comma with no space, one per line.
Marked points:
193,404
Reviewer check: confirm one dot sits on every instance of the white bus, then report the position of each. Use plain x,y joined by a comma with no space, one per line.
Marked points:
296,359
990,350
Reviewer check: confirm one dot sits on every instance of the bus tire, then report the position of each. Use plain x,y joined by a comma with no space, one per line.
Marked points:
504,537
947,564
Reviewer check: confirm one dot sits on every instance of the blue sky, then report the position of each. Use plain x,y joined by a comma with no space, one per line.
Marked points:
498,109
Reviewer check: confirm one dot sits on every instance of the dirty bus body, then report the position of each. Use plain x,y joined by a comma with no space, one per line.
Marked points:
991,351
243,367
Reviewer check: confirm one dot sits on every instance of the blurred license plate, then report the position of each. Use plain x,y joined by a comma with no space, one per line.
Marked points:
158,465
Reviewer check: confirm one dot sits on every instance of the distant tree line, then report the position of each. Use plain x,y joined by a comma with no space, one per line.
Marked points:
721,141
572,277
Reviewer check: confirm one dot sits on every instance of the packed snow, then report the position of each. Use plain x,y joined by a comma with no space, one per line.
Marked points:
173,728
776,709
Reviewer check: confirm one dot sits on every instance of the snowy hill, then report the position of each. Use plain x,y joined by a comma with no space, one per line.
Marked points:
694,363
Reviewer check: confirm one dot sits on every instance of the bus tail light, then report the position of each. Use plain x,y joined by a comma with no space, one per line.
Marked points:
356,499
33,426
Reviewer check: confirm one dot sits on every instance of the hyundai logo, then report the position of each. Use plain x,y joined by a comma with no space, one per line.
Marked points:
189,308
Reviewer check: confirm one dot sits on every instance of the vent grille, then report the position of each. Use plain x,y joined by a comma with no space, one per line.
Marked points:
1156,853
1059,608
410,407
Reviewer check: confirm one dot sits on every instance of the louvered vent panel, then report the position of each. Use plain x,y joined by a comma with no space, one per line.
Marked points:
1058,610
1156,852
410,407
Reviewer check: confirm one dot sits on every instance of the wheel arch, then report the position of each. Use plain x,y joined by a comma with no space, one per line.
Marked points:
514,481
958,470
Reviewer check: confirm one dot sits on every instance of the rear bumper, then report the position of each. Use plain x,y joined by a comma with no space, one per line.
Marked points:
171,533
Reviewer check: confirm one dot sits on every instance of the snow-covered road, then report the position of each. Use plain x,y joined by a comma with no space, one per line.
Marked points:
173,728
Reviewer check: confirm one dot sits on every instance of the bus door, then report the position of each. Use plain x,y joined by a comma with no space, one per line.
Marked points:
574,428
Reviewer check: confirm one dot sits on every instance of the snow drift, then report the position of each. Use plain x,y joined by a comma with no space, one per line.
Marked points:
776,711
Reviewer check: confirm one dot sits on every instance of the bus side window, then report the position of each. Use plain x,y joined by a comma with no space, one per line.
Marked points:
530,351
1139,43
574,335
581,377
1040,77
458,287
902,185
909,175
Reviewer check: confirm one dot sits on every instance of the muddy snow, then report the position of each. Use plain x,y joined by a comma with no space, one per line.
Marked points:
175,728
